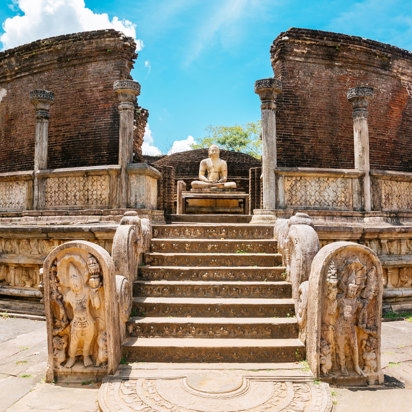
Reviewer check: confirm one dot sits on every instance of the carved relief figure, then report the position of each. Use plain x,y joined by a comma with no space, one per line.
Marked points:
213,172
349,324
346,337
75,303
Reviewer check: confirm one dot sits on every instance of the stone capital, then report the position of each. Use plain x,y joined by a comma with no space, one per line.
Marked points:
268,89
42,100
126,90
360,97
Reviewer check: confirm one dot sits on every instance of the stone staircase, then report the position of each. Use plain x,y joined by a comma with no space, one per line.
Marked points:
212,292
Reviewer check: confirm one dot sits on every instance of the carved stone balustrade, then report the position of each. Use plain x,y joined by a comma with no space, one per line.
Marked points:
310,188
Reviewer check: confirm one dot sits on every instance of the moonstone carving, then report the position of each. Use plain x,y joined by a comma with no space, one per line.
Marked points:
343,316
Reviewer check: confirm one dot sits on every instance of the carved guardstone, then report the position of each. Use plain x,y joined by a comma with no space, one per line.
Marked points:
344,315
81,311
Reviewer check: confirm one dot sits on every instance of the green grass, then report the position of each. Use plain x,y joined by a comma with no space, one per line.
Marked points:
21,362
305,366
26,376
124,361
393,364
393,315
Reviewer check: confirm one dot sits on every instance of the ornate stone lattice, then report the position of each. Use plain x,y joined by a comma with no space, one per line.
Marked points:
344,314
315,192
21,276
235,393
77,191
13,195
391,194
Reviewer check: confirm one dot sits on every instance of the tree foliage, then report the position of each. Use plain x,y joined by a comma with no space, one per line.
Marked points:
245,139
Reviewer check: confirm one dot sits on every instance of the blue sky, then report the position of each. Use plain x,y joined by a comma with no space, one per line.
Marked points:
199,58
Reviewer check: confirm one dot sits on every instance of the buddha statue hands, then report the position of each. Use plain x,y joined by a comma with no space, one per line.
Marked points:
216,170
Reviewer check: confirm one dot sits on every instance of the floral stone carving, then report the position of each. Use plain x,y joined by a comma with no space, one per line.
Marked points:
81,312
344,314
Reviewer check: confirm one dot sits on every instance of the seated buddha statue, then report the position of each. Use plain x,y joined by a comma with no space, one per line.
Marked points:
216,170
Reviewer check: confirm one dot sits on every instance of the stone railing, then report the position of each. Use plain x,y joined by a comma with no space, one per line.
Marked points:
391,191
93,187
307,188
78,188
16,191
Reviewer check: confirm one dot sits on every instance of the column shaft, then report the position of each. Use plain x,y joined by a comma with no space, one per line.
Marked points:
360,97
126,90
41,100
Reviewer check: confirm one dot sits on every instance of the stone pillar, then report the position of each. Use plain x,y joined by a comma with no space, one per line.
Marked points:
360,97
126,90
41,100
268,89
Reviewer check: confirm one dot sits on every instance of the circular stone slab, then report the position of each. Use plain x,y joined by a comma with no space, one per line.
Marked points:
214,383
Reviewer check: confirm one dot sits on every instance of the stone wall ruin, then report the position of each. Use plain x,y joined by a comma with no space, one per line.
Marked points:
80,69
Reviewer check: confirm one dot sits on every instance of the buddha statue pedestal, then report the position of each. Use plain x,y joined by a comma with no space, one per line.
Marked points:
212,193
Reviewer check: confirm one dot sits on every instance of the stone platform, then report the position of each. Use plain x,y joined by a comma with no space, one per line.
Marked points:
213,202
216,387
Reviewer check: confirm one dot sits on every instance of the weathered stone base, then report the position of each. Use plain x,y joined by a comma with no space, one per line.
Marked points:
354,380
77,374
213,390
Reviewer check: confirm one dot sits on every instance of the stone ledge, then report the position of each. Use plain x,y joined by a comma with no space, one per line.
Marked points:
143,169
313,172
392,175
79,171
16,176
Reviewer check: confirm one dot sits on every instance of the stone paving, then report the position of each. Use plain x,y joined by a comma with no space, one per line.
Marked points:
23,355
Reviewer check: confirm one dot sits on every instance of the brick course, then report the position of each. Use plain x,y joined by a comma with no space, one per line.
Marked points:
314,118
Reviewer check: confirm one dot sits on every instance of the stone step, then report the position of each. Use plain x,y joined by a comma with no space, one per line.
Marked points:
216,246
21,306
213,231
213,259
245,273
213,307
211,289
257,328
210,218
212,350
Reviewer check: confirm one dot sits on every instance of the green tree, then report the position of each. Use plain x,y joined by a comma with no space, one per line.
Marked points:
244,139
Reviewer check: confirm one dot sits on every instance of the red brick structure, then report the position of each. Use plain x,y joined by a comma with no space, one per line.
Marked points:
84,122
314,118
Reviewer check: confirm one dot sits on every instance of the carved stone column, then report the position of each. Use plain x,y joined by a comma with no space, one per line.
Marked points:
268,89
360,97
41,100
126,90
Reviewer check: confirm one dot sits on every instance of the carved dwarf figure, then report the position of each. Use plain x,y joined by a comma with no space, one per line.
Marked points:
82,328
369,355
216,170
325,358
348,308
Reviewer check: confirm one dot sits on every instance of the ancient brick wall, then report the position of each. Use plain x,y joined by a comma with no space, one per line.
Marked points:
166,190
80,69
314,118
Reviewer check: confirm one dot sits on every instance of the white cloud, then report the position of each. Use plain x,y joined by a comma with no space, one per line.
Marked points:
148,66
47,18
182,145
148,147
